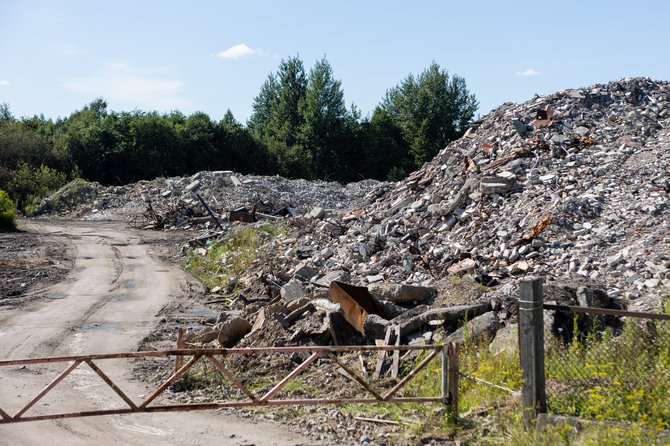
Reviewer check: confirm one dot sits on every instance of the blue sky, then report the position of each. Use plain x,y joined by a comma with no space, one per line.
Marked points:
56,57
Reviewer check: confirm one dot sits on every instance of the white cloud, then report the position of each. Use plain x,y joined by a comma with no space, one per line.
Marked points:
529,72
146,88
5,83
237,51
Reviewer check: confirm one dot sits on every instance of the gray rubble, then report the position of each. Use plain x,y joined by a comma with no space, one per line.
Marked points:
572,187
596,173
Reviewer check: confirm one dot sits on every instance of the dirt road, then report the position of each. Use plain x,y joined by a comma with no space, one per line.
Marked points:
108,303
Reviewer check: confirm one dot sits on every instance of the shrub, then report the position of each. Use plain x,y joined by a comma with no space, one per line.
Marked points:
29,183
7,212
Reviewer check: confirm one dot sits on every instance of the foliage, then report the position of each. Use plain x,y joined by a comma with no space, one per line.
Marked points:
431,109
29,184
300,128
7,212
224,261
622,377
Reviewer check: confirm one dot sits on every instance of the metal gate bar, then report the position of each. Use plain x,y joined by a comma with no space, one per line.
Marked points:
254,401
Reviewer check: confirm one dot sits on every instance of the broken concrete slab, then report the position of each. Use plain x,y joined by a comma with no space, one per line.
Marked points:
396,292
317,213
481,327
292,290
333,276
232,330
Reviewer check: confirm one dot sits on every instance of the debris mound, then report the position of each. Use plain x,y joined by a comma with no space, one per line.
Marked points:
571,186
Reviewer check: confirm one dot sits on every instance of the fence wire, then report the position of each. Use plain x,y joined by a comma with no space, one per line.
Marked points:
608,367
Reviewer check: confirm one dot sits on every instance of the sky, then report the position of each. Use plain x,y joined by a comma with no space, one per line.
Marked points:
211,56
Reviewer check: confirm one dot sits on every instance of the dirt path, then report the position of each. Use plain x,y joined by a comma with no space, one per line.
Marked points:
107,304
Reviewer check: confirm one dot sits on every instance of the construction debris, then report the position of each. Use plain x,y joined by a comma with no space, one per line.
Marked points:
572,186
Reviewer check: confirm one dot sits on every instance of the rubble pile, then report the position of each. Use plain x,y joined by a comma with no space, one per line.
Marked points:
576,182
571,186
222,191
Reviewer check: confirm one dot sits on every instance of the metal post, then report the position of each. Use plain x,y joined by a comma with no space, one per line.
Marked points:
531,347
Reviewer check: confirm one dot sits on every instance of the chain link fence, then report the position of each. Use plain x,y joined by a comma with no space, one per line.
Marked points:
606,366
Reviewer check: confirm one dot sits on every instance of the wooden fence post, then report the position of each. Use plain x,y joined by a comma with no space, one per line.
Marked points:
454,353
531,347
180,345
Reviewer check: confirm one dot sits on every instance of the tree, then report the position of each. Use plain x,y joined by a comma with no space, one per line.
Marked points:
5,113
276,108
431,109
323,114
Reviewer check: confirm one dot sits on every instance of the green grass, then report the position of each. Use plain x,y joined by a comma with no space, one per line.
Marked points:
228,259
625,377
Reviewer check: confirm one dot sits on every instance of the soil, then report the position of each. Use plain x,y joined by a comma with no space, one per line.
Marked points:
72,288
77,287
29,263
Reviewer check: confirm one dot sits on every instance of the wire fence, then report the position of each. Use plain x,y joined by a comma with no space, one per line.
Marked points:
607,366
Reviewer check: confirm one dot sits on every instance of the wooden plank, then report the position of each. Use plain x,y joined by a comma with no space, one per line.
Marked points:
382,354
445,374
396,354
453,354
364,371
179,360
531,348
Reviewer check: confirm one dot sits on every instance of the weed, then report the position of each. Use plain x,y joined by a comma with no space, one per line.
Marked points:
227,259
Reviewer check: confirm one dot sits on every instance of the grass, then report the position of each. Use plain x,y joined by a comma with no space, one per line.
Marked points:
224,261
624,377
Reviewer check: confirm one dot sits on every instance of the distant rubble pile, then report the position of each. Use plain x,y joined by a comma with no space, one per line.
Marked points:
222,191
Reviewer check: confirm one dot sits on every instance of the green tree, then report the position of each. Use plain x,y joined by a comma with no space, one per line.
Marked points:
237,148
323,118
276,108
431,109
5,113
261,121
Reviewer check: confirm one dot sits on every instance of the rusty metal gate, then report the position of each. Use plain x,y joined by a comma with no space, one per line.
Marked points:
187,358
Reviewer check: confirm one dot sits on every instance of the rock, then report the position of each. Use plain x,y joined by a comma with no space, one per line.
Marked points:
333,276
232,330
464,266
205,335
193,186
292,290
395,292
506,340
317,213
480,327
305,272
375,279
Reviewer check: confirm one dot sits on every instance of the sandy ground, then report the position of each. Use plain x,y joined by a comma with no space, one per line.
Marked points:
108,302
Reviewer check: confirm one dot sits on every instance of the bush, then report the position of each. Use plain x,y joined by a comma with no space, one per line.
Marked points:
7,212
28,184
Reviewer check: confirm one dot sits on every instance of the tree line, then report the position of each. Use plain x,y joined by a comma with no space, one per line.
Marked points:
300,128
